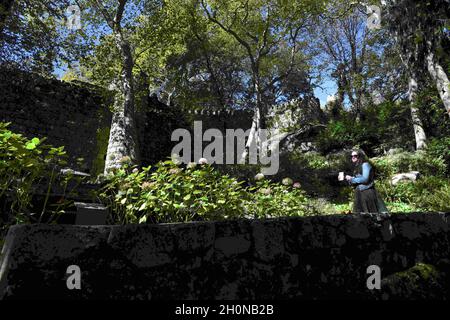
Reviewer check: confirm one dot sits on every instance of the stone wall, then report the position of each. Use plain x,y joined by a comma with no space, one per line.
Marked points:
75,116
158,122
288,258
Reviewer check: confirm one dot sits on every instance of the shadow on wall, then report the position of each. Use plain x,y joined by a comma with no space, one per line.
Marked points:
73,115
323,257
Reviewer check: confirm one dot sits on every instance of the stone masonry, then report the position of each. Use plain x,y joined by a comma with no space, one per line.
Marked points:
287,258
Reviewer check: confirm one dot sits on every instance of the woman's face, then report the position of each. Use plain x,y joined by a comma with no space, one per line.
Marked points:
354,157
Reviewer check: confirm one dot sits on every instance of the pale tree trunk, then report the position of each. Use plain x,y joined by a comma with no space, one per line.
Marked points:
122,138
258,122
440,78
419,133
252,137
261,112
413,88
122,144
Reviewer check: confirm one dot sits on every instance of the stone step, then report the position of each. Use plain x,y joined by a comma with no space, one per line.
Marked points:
90,213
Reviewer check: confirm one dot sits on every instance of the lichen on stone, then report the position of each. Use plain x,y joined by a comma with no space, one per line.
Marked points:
422,281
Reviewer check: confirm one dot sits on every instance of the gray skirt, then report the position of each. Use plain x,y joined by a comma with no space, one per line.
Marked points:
368,201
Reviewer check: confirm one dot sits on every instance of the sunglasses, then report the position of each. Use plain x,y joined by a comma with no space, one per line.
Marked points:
354,156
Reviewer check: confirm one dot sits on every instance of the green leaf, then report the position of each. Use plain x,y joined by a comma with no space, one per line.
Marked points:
143,219
30,146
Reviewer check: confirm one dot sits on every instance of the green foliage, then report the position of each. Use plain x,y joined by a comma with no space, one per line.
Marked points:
321,206
268,200
23,164
440,149
316,161
400,207
168,193
35,36
426,194
432,112
424,162
241,172
345,133
429,193
310,160
171,193
382,127
315,172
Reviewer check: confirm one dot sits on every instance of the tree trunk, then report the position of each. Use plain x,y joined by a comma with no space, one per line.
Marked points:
122,138
262,112
258,122
417,122
409,59
440,78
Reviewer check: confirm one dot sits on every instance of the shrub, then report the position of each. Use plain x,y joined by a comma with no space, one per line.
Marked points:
400,207
423,162
171,193
346,132
381,127
315,160
24,164
426,194
440,149
269,200
433,194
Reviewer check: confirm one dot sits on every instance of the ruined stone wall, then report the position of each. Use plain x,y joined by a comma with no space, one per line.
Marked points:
75,116
158,122
286,258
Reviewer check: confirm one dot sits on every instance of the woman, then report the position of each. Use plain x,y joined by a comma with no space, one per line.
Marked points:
366,197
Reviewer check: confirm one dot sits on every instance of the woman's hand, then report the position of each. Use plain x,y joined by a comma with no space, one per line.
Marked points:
348,178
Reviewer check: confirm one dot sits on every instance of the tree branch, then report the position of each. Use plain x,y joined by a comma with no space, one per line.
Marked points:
109,20
119,15
230,31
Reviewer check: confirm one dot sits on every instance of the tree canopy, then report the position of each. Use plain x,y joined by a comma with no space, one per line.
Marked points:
238,54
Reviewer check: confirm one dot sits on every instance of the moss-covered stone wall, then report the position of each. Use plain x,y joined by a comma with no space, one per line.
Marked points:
319,257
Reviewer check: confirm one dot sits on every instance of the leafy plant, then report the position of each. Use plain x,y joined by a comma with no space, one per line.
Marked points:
24,165
423,162
426,194
171,193
440,149
268,200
